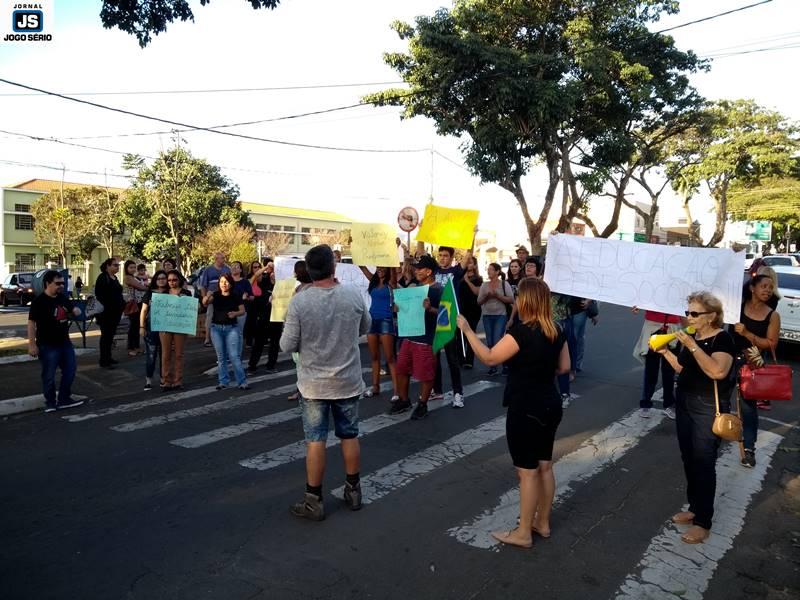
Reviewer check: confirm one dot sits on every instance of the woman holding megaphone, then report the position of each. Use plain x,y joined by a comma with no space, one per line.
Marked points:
703,365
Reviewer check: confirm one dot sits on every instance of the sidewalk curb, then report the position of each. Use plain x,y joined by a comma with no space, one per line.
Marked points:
21,358
16,406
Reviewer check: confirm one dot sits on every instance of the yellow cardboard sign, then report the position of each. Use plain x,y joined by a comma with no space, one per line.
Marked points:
448,226
374,244
281,296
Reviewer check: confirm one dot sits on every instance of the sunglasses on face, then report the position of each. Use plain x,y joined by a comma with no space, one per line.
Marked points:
694,314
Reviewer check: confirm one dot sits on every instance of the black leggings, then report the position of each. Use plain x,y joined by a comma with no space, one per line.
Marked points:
108,321
699,448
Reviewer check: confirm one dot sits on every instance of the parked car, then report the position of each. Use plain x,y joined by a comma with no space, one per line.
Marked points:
748,260
789,305
17,288
783,260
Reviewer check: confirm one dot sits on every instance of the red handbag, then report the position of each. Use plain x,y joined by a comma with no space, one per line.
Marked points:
770,382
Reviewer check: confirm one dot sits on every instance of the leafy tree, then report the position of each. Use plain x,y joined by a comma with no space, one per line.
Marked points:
521,81
226,238
245,253
173,201
770,199
273,243
59,223
145,18
739,141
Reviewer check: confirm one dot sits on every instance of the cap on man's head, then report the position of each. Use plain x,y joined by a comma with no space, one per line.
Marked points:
522,249
426,262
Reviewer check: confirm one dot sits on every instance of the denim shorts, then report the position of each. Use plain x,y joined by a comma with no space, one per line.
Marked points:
316,418
382,327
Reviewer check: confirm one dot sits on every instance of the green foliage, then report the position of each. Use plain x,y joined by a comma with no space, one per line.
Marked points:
227,238
244,252
524,80
734,141
773,198
145,18
173,201
59,222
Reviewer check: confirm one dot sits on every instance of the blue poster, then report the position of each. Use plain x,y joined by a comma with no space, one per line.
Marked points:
175,314
410,313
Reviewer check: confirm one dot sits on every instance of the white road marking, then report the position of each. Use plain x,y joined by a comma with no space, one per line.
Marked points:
166,398
671,569
282,357
231,431
215,407
297,450
406,470
777,422
590,458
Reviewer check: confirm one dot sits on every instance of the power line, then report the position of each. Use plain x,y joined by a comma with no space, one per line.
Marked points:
221,90
754,51
208,129
711,17
63,168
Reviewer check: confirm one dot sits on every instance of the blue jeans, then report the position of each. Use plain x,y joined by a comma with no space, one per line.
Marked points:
226,341
152,350
240,321
566,327
579,329
495,328
55,356
653,361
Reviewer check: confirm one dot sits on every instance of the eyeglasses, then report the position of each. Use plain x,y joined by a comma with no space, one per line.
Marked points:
694,314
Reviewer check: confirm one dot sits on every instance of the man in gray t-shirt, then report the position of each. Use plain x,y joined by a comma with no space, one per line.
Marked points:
323,325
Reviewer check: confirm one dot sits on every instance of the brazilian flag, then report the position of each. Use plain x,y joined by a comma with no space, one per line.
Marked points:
446,325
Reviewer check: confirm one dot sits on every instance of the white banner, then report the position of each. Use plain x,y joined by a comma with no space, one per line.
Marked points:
650,276
346,273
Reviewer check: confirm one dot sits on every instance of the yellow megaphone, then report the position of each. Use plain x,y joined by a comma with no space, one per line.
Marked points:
659,340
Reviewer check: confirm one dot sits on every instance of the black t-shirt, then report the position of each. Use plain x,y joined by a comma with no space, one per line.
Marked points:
467,300
531,371
223,305
693,380
51,316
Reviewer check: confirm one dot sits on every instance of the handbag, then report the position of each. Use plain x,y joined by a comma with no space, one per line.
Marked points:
93,307
726,425
131,308
770,382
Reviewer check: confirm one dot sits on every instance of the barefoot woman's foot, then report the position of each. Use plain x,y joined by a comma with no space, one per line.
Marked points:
695,535
513,538
541,531
683,518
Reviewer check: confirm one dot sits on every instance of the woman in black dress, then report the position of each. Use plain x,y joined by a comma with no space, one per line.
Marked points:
108,291
704,361
759,325
535,351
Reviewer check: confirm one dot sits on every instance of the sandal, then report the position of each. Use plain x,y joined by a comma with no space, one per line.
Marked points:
695,535
503,537
683,518
372,392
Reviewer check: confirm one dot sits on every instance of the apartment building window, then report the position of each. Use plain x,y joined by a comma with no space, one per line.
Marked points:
23,222
25,262
306,239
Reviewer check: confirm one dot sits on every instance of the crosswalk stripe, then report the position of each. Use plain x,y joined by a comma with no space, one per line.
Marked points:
297,450
232,431
671,568
228,404
166,399
590,458
404,471
12,406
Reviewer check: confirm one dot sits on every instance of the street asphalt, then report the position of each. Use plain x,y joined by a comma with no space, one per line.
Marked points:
143,495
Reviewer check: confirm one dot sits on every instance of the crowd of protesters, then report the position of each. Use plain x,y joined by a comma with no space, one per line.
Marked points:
533,336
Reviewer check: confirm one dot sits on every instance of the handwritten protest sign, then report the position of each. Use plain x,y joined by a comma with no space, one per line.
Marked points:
284,268
448,226
374,244
346,273
174,314
649,276
281,296
411,313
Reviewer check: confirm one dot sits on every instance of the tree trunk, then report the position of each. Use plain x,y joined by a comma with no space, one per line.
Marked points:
720,194
590,223
620,189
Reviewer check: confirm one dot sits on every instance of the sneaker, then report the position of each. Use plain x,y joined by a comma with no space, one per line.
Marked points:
244,386
670,412
49,408
383,372
309,508
420,411
220,387
565,400
644,413
436,396
749,459
458,401
400,406
69,404
352,496
148,387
